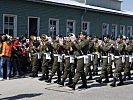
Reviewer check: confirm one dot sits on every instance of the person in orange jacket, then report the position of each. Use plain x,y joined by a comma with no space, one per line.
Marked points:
5,56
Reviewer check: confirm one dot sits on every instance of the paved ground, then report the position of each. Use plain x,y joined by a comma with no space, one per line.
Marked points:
32,89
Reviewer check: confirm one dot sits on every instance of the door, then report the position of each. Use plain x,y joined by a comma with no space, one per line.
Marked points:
33,27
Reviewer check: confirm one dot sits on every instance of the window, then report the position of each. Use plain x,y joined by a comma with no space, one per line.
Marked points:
129,31
114,31
70,26
53,27
122,29
105,28
10,25
86,27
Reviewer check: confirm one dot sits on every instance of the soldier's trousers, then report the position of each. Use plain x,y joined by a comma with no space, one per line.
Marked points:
80,71
35,64
127,67
118,68
88,67
95,64
110,70
56,68
45,66
104,71
68,70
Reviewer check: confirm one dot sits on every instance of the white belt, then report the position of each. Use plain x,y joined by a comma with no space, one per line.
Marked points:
104,56
66,56
126,55
79,57
56,54
89,54
117,56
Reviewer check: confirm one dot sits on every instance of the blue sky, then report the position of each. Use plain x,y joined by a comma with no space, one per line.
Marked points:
127,5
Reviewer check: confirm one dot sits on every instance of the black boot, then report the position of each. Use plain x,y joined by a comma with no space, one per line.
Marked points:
129,76
99,80
124,78
49,80
114,83
62,83
120,83
41,78
83,86
106,81
72,86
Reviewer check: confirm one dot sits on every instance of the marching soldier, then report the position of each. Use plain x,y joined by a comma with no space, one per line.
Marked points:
118,52
81,49
45,49
69,61
96,56
90,58
104,47
34,55
128,54
57,51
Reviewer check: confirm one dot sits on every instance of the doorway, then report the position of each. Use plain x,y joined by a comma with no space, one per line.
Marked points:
33,27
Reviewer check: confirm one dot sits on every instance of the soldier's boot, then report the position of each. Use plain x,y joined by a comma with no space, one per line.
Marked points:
106,80
129,76
120,83
83,86
69,83
49,80
111,75
124,78
99,80
72,85
90,76
58,80
114,83
62,82
33,75
42,78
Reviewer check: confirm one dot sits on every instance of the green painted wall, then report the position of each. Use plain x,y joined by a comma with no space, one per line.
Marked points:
23,9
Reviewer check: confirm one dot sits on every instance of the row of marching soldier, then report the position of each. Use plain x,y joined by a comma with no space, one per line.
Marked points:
80,57
72,57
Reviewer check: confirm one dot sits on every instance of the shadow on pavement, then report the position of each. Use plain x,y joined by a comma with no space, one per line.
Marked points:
21,96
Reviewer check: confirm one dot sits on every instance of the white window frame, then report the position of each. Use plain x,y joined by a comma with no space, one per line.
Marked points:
130,32
107,32
116,30
74,26
123,31
88,26
57,25
15,23
38,24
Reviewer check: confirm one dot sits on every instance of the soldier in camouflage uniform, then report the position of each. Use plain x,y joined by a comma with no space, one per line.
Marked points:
90,58
81,49
34,55
57,51
104,48
118,52
45,50
128,54
69,53
96,56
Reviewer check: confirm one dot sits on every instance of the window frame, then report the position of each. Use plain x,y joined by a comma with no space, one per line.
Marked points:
57,27
15,23
88,26
74,26
107,28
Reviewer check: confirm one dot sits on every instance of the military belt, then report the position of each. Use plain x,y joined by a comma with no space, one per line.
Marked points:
104,56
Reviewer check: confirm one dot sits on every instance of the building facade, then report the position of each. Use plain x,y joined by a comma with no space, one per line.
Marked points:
35,17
